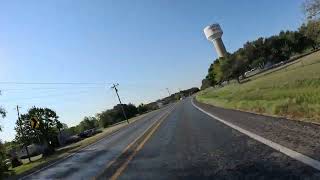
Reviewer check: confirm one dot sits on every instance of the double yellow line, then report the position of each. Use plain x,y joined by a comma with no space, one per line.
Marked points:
116,167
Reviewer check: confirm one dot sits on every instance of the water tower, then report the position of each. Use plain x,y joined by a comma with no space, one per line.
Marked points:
214,33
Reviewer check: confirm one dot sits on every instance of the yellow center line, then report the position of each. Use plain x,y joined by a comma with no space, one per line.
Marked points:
123,167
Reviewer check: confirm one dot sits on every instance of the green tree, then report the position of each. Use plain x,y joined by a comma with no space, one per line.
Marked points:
2,111
105,119
206,83
211,75
239,64
218,74
73,130
226,67
142,108
131,110
3,166
88,123
45,134
311,30
256,53
211,78
114,115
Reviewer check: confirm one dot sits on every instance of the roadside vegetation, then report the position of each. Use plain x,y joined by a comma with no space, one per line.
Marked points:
69,149
49,130
292,92
288,86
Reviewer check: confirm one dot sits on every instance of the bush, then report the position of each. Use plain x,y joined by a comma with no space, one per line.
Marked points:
3,166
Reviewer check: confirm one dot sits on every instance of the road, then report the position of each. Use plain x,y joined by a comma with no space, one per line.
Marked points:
88,162
182,143
191,145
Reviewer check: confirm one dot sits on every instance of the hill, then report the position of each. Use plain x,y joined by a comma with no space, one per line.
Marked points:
292,92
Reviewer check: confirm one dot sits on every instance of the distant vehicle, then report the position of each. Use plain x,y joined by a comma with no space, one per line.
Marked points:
73,139
88,133
7,162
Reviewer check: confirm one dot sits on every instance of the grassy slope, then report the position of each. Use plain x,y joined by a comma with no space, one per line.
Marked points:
292,92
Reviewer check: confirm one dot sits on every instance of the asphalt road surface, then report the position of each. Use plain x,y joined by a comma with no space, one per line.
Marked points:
191,145
183,143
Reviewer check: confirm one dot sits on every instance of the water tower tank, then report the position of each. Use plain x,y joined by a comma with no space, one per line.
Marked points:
214,33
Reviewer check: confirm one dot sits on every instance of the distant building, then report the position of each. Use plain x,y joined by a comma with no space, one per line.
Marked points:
160,104
33,149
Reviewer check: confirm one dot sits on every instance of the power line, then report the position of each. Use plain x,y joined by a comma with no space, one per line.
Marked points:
46,96
55,83
51,88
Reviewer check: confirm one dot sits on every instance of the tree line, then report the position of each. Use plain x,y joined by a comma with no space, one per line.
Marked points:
112,116
262,51
107,118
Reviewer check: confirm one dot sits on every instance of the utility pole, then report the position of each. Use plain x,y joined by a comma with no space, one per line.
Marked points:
116,89
22,134
168,91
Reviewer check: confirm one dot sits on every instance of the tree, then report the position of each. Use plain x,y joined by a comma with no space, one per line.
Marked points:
205,84
73,130
131,110
311,31
114,115
311,8
45,134
218,74
88,123
239,64
3,166
211,78
211,75
2,111
225,67
105,119
256,53
142,108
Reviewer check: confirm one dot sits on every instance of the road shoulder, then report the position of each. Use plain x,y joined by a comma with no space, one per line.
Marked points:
58,157
302,137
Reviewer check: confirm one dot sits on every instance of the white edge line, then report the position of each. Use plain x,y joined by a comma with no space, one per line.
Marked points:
72,154
291,153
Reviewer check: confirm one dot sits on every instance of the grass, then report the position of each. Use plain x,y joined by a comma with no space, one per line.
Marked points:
65,151
292,92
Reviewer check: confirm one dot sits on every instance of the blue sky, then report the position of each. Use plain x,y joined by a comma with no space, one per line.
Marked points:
145,46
